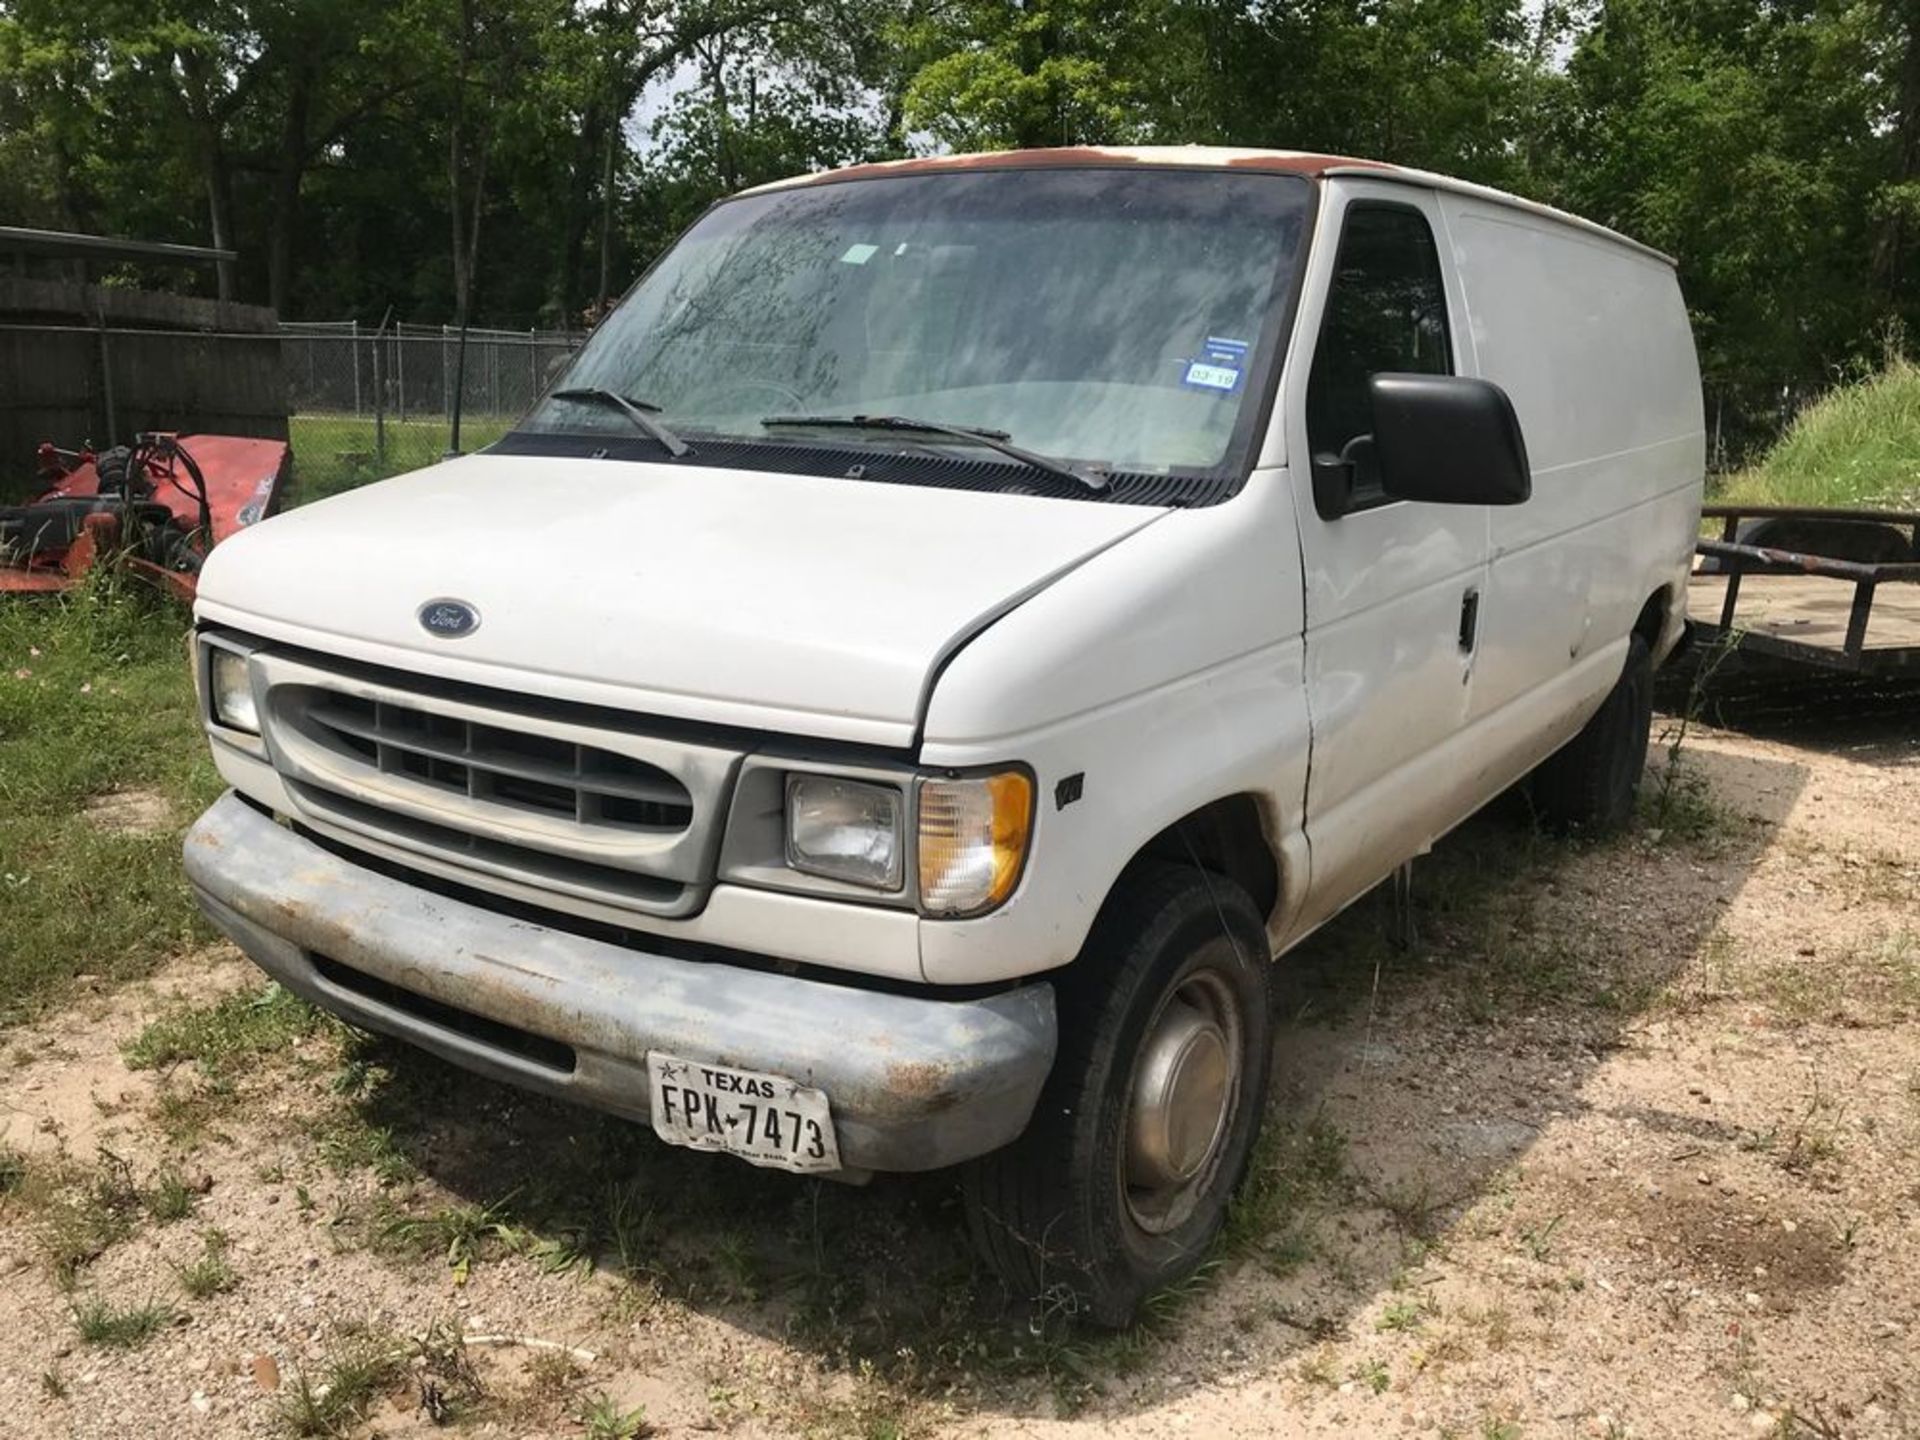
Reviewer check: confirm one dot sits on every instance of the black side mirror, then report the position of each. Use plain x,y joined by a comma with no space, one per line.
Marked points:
1448,440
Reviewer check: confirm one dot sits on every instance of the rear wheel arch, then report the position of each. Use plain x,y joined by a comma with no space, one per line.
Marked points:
1652,621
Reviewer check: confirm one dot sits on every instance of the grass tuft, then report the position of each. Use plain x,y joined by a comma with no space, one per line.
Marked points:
101,1323
360,1364
210,1274
169,1198
218,1037
601,1418
462,1233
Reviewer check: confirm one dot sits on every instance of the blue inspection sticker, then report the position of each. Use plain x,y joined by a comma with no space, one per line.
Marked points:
1218,366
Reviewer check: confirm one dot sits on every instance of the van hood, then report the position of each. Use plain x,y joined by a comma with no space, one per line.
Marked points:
778,602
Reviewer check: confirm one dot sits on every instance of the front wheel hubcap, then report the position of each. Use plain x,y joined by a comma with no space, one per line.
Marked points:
1181,1102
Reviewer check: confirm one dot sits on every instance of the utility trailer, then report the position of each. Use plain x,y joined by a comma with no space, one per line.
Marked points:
1838,590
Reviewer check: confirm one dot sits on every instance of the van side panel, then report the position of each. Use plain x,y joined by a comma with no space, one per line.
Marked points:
1590,339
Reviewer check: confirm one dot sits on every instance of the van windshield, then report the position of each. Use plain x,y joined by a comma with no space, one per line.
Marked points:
1122,318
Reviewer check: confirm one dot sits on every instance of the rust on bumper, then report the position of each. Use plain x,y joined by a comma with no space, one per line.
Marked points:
915,1082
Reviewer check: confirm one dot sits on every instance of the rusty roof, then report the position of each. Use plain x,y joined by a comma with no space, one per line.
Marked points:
1312,165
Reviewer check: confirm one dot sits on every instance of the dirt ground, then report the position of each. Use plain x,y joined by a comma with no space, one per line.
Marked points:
1627,1143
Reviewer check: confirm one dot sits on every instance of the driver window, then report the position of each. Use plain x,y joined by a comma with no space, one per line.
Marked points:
1386,311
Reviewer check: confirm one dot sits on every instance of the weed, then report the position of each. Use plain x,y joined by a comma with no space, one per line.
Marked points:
348,1142
1411,1205
739,1269
52,1385
1316,1368
1495,1323
186,1114
219,1037
1539,1239
1401,1315
551,1374
462,1233
630,1222
169,1199
450,1386
209,1274
1495,1427
1447,1345
602,1419
1373,1374
1294,1171
1682,804
82,1211
101,1323
360,1364
13,1170
1809,1142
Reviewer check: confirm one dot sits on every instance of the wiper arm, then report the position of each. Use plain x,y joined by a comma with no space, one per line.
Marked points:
998,440
634,410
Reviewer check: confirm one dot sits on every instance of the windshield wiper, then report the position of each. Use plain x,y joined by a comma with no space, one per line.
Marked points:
998,440
634,410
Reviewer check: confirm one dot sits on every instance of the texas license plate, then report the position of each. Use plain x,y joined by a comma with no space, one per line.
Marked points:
766,1119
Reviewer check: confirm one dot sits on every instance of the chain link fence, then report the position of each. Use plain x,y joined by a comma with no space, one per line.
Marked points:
364,403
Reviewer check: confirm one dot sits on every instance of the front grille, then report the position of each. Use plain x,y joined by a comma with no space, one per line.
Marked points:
494,856
508,767
604,820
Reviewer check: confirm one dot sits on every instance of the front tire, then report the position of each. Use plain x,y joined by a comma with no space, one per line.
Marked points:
1144,1129
1591,783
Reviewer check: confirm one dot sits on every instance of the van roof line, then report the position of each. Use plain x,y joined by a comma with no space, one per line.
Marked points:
1311,164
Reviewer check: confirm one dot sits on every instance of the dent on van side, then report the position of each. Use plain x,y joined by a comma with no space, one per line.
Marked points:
1010,600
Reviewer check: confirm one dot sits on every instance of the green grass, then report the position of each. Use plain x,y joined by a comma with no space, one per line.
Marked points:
336,452
1858,445
209,1274
94,696
80,1211
226,1034
359,1365
168,1199
602,1419
112,1327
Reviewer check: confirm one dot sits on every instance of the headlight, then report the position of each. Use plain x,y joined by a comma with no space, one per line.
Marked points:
230,689
973,838
844,830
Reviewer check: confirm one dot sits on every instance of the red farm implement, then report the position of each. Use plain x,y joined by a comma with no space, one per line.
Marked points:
157,506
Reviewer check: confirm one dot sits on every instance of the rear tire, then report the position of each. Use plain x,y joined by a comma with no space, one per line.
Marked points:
1144,1129
1591,783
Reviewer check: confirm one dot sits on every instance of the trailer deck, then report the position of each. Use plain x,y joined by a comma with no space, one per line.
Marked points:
1824,610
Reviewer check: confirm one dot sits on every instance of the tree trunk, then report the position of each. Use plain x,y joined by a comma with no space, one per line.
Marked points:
220,212
1890,245
564,295
289,171
209,140
607,177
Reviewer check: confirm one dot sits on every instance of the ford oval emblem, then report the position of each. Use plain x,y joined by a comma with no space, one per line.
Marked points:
449,619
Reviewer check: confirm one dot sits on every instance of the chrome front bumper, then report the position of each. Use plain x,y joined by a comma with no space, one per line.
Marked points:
915,1082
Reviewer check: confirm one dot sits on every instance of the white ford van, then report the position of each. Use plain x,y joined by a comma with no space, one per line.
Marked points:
951,627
